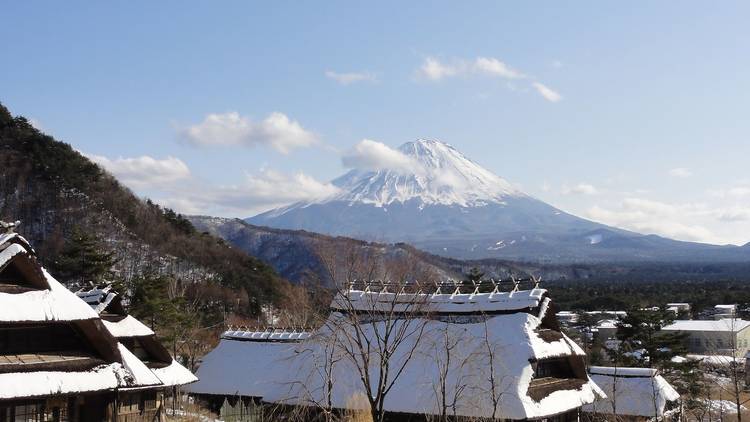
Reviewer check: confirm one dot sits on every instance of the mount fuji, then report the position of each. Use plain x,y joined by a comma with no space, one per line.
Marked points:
440,201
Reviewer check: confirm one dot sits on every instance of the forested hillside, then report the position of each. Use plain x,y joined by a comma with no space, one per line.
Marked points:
56,192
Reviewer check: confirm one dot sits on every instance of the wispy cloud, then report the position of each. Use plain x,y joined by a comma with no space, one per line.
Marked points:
547,93
680,172
579,189
434,69
494,67
655,217
348,78
231,129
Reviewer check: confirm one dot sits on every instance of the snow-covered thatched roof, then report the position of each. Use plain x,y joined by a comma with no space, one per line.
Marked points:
32,298
508,345
168,371
631,392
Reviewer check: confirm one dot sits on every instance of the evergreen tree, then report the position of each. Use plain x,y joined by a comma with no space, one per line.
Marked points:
640,333
83,260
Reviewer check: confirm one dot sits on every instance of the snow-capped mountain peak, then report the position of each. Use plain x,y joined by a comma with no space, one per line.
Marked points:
437,174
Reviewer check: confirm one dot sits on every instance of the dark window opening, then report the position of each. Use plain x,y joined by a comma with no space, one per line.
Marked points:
40,338
553,368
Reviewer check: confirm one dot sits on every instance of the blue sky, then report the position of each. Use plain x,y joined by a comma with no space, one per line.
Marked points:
631,114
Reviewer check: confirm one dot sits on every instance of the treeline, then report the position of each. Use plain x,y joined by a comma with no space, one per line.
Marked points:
608,295
56,192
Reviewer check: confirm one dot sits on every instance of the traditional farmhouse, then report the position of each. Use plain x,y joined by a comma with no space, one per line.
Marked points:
59,361
138,338
632,394
714,337
472,354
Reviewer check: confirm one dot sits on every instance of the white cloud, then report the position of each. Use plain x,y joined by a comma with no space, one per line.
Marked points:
351,77
257,193
646,216
557,64
373,155
680,172
733,214
434,70
734,192
580,189
546,92
230,129
144,171
495,67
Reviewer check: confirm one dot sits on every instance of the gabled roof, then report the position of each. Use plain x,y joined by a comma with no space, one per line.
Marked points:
127,327
50,304
168,371
98,298
631,391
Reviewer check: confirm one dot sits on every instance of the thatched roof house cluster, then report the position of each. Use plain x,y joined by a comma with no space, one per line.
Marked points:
61,361
469,354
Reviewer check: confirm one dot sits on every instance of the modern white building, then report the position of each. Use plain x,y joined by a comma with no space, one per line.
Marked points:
714,337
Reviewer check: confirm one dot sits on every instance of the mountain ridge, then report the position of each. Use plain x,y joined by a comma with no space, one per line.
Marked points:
446,204
54,190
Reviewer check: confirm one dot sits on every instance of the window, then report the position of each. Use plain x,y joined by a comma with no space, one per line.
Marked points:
32,412
554,368
38,338
28,413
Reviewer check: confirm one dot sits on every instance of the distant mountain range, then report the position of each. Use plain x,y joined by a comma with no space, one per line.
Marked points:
296,255
442,202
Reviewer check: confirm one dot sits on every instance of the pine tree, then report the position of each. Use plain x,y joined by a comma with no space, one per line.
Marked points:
641,330
83,260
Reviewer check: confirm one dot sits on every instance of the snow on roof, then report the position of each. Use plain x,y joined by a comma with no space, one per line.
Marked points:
621,371
607,323
716,360
174,374
42,383
729,307
266,335
15,238
727,325
633,391
55,304
98,298
439,302
140,374
290,373
127,327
